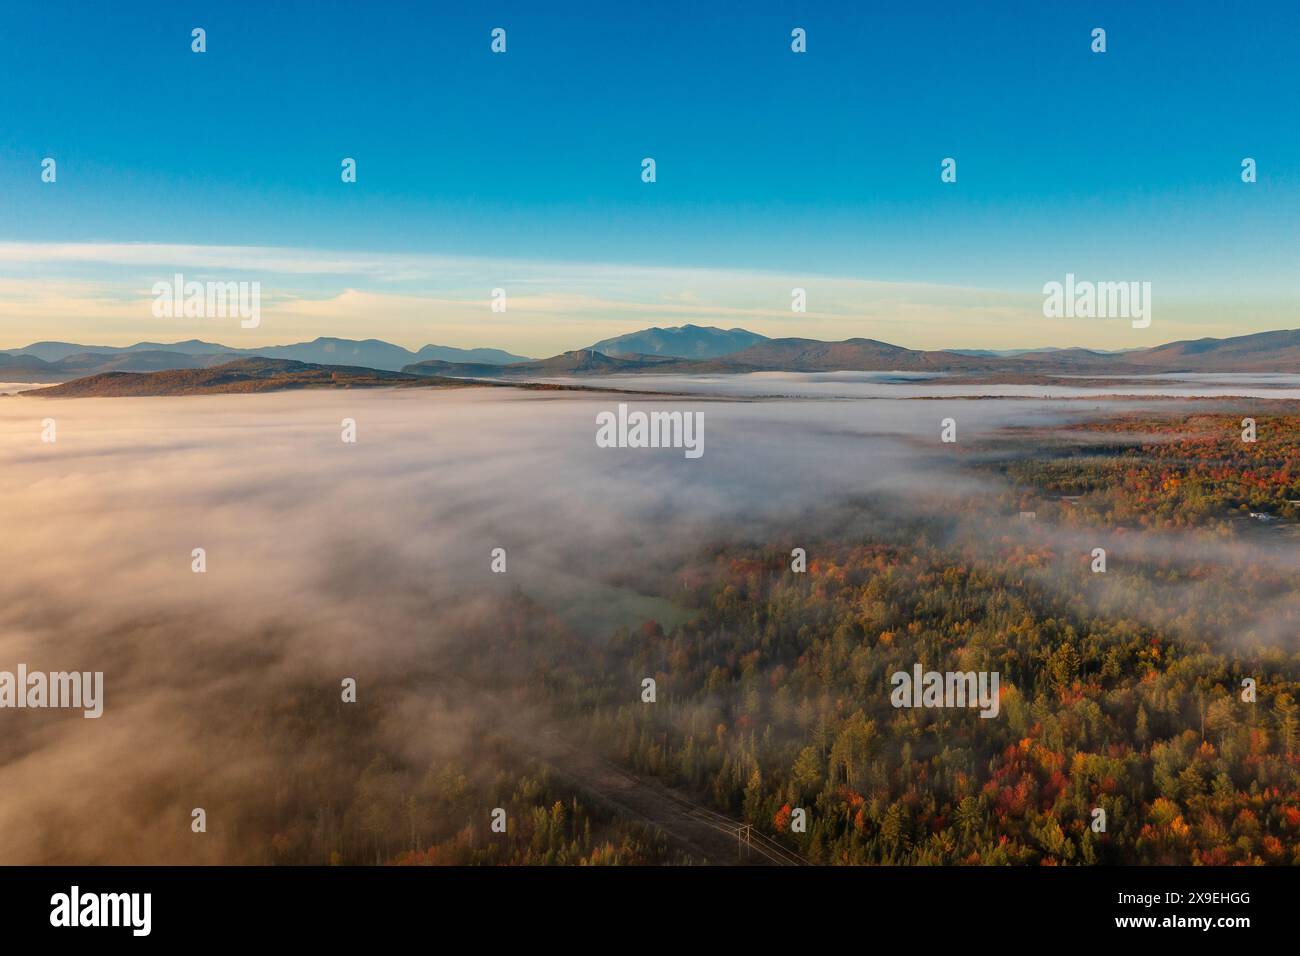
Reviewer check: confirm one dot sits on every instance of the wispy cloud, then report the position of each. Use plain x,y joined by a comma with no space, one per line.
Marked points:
100,293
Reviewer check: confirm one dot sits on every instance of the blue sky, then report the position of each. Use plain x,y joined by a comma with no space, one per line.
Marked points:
1122,165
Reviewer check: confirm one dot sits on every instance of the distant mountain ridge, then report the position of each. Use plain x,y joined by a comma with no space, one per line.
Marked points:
1258,352
683,341
56,361
1277,351
1011,353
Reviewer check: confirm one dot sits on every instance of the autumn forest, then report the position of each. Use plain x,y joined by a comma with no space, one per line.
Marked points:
1161,688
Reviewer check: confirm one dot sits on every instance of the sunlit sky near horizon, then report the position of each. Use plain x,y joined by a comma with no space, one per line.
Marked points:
523,170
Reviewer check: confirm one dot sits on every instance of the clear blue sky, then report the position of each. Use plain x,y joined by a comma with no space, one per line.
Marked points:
1124,164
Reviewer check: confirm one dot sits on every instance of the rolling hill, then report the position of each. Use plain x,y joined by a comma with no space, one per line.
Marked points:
862,355
241,375
579,362
1262,352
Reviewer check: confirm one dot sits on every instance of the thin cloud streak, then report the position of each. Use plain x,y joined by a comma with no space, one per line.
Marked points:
100,293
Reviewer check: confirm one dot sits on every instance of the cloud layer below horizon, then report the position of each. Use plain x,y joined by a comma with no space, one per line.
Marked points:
372,560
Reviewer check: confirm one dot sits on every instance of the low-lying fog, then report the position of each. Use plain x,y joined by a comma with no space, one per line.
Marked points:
926,385
327,559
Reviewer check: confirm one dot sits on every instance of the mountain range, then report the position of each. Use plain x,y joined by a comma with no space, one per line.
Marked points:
683,350
1259,352
62,361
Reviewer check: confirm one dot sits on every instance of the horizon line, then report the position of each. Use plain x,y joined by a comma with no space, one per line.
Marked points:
583,348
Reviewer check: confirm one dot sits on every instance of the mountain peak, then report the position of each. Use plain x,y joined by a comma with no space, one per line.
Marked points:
682,341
